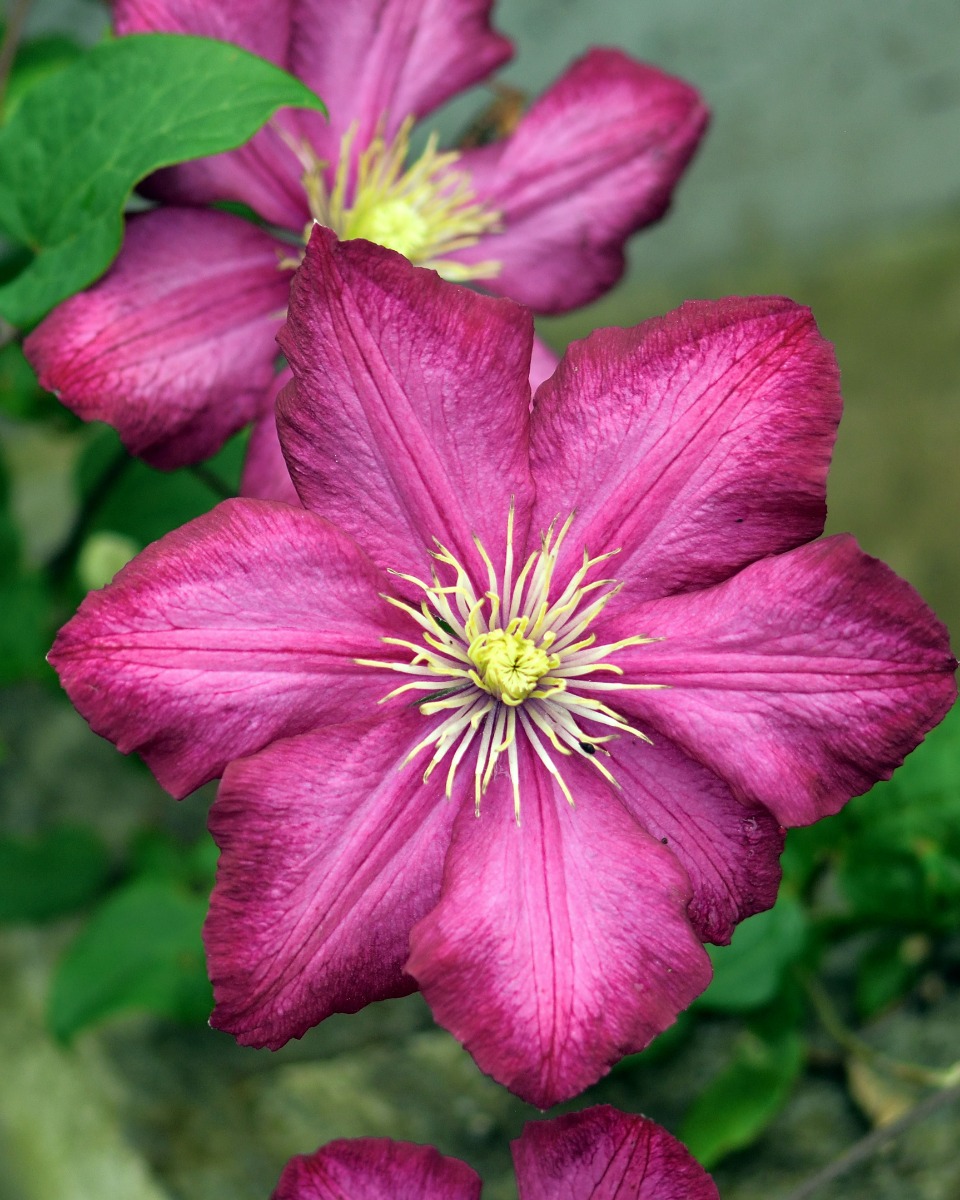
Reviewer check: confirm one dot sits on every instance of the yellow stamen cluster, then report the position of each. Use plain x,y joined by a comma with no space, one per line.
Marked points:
515,659
425,211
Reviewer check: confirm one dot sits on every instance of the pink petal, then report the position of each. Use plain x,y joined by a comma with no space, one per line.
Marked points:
603,1154
595,159
175,346
239,628
377,1169
801,681
730,849
696,442
560,945
265,474
401,426
264,173
331,851
374,60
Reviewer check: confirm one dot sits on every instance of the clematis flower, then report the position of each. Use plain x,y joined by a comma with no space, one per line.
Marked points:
597,1154
514,709
175,346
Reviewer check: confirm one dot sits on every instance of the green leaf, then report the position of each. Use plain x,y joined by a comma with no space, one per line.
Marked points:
140,950
81,139
899,856
748,972
740,1102
142,503
56,873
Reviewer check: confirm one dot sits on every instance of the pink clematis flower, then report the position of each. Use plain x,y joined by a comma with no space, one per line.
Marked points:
513,710
597,1154
175,346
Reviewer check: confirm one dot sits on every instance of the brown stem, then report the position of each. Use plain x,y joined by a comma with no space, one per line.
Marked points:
868,1146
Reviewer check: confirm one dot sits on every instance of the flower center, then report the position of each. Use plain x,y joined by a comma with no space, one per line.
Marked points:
514,660
509,665
425,211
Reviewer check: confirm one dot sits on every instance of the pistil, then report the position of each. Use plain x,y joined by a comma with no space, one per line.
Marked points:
514,660
426,211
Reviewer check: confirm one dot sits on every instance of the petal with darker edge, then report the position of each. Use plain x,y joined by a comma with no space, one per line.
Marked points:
801,681
401,425
603,1154
729,848
331,850
377,61
595,159
377,1169
174,347
695,442
237,629
558,945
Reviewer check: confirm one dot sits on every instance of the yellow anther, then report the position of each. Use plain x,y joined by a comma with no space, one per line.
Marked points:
426,210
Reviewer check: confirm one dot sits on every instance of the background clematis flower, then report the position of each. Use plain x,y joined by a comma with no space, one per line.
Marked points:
597,1154
175,348
515,708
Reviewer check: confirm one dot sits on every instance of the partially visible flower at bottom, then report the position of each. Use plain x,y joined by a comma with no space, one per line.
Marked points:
598,1154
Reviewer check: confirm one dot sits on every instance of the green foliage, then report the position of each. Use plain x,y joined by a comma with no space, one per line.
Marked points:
739,1103
749,972
899,846
141,950
143,504
21,397
55,873
81,138
24,603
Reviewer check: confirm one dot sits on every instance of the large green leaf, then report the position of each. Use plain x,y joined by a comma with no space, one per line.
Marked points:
80,139
748,972
55,873
739,1103
140,950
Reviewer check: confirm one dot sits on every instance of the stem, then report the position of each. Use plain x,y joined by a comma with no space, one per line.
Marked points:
60,564
909,1072
212,480
11,40
868,1146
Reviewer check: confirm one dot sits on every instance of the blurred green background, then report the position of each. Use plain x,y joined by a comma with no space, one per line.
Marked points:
831,174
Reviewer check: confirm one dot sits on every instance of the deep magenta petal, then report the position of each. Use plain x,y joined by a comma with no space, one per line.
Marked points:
331,850
264,173
603,1154
560,945
401,426
378,61
695,443
595,159
378,1169
265,474
239,628
801,681
175,345
729,848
